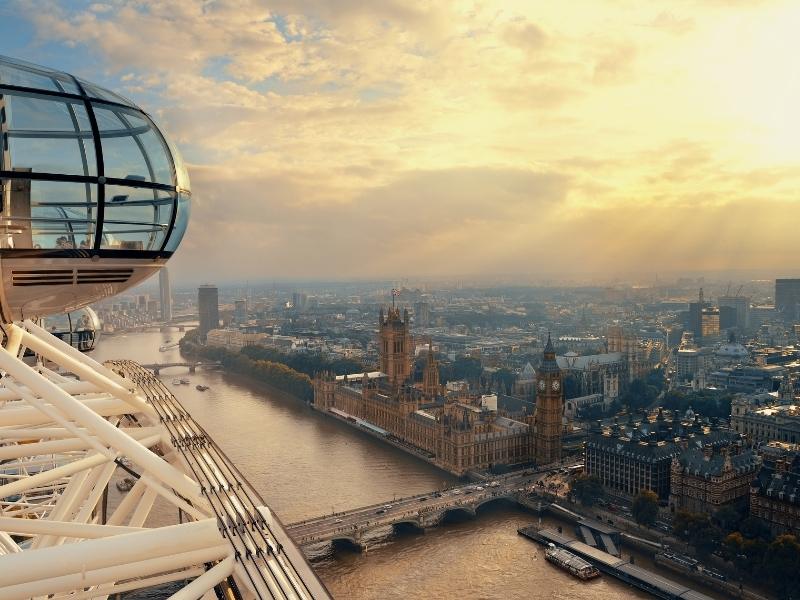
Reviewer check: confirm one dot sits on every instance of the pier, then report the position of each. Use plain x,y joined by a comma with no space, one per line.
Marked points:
659,586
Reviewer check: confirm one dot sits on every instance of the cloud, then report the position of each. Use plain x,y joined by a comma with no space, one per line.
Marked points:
348,138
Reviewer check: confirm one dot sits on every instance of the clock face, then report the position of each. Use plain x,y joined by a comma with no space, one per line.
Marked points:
556,385
541,384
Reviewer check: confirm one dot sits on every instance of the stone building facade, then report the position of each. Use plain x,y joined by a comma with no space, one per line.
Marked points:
775,492
639,456
765,418
549,413
453,429
703,481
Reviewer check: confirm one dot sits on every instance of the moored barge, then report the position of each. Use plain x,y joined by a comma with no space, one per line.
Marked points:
570,562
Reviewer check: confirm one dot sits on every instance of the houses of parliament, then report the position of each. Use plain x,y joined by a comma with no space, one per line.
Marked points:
458,431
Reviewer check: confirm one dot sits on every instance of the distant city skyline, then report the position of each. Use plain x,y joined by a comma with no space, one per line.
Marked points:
353,140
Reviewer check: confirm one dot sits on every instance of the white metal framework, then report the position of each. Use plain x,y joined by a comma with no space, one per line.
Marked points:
70,427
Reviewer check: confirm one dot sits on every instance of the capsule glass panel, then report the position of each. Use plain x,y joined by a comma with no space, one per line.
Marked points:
22,74
45,134
136,218
47,215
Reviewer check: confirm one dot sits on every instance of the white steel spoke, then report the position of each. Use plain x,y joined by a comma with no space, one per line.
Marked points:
70,428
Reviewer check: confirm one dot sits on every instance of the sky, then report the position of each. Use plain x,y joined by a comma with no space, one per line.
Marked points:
344,139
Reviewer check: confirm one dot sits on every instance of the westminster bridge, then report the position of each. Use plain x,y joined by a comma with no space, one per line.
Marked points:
192,366
421,511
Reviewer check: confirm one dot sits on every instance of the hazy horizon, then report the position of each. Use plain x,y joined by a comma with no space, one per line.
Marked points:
348,140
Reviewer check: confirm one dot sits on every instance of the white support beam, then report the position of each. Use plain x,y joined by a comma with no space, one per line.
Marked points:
28,416
83,416
44,335
78,363
206,581
19,486
81,579
109,590
61,528
58,561
66,445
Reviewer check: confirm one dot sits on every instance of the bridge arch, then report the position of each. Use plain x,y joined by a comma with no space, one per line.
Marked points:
346,543
492,499
407,526
457,513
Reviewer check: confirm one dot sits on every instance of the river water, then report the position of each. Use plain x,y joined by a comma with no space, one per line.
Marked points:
305,464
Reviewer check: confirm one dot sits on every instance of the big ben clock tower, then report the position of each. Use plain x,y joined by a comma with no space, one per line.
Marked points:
549,409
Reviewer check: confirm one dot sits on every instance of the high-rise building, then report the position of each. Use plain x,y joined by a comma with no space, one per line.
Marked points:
741,306
208,308
787,298
549,409
709,323
240,311
396,346
694,321
422,314
299,300
165,292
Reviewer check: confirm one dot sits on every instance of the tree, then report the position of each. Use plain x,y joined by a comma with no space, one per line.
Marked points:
755,529
645,507
728,518
588,489
782,566
698,530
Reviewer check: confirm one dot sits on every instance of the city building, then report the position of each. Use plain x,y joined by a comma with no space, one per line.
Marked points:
457,430
549,413
605,374
234,339
763,418
299,300
573,406
775,490
422,314
165,294
709,324
787,298
693,363
208,308
740,306
396,346
703,481
746,378
240,311
638,456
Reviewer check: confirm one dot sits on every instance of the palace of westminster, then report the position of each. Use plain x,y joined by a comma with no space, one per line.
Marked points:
459,431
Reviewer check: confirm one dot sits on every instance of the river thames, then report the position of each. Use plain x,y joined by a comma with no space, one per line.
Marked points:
305,464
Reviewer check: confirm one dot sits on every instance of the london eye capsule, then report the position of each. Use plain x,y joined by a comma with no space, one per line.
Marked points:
79,328
93,199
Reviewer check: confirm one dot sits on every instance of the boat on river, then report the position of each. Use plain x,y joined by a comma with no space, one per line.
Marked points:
570,562
201,388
